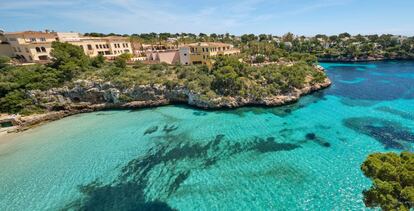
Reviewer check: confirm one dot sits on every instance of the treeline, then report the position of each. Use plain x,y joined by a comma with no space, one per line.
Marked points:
335,47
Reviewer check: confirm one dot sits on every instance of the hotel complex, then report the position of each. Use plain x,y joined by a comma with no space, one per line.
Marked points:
35,46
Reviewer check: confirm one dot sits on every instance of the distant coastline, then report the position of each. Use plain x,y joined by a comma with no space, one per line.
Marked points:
369,59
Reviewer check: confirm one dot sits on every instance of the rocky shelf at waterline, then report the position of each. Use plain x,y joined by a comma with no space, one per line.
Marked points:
89,96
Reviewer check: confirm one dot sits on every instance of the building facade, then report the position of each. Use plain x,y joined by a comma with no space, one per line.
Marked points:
204,52
167,56
109,47
30,46
34,46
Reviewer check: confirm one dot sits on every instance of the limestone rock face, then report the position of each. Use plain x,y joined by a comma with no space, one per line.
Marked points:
99,94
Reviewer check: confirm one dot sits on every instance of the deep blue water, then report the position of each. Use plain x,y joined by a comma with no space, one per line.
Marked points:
304,156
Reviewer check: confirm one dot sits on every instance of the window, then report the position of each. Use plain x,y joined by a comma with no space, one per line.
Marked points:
30,58
107,45
100,46
38,50
81,46
23,58
126,51
14,49
185,54
32,39
43,58
97,46
43,39
27,50
89,47
43,49
126,44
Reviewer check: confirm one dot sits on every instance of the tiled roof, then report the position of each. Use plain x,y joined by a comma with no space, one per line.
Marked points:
211,44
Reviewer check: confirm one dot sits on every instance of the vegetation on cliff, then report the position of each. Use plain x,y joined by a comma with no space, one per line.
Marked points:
393,181
228,77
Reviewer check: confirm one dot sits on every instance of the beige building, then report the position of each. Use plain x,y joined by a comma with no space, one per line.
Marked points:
109,47
34,46
5,48
29,46
156,53
204,52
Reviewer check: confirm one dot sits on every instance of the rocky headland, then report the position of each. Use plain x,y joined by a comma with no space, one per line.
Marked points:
89,96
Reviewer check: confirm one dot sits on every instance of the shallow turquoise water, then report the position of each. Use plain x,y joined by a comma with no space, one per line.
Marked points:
304,156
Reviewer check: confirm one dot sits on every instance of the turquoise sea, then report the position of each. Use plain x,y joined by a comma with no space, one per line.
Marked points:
304,156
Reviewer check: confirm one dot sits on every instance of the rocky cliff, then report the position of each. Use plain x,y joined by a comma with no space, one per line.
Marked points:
87,96
97,95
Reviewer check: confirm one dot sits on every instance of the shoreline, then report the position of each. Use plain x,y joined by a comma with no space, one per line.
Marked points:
347,60
27,122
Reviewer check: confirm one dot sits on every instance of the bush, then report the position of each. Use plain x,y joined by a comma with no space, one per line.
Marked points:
260,59
3,61
14,102
63,53
226,81
138,64
121,60
393,181
98,61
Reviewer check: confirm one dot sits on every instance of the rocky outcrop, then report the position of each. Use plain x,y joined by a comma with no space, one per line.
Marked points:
100,95
87,96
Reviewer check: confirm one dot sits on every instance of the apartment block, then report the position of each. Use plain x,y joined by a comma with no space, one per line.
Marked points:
28,46
109,47
35,46
204,52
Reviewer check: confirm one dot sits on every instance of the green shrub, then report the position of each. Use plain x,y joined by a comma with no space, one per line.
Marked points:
393,181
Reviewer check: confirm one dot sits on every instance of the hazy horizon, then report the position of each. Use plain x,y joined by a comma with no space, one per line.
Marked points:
278,17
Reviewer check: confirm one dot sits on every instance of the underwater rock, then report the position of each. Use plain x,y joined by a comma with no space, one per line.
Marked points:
151,130
388,133
318,140
176,159
402,114
199,113
168,129
270,145
310,136
122,196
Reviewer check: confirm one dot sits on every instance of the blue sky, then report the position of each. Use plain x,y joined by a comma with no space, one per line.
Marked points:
304,17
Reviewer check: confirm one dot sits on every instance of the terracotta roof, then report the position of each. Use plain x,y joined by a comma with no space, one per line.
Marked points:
212,44
104,38
32,33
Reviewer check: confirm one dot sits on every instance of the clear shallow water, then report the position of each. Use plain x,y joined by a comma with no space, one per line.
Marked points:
304,156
